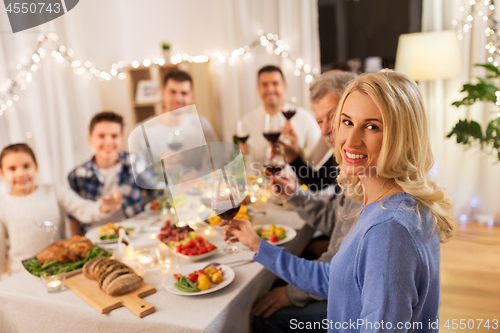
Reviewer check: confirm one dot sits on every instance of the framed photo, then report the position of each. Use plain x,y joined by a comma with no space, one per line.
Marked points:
147,91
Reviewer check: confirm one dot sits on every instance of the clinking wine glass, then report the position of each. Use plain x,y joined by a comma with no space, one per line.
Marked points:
240,133
272,128
288,112
226,203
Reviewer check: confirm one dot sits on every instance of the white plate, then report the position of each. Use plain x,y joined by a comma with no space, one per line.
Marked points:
169,281
290,233
93,234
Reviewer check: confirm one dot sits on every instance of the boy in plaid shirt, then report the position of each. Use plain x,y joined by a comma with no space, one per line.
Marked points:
108,170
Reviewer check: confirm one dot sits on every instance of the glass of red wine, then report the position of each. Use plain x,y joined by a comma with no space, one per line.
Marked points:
226,203
241,134
288,112
272,128
274,164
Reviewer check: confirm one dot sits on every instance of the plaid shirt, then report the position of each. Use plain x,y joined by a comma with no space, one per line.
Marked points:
88,183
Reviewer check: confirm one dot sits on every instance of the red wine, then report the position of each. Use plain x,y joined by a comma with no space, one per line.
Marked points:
243,139
227,214
175,145
272,136
273,169
289,114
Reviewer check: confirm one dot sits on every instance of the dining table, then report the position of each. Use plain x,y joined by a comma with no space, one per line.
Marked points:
25,305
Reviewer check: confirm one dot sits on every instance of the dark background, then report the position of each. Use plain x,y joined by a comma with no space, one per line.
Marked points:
357,29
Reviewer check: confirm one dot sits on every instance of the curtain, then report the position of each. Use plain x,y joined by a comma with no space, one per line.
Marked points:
51,111
472,176
57,106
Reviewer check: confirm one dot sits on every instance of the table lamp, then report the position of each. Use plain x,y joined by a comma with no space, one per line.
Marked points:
429,55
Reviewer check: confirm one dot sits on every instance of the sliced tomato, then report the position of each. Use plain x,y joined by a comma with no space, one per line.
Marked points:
177,276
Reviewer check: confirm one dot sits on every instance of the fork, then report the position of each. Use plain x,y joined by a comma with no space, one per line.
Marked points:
238,262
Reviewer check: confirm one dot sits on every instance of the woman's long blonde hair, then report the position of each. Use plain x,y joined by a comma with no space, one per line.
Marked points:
406,154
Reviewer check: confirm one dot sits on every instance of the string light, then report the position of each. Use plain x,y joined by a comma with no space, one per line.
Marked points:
485,10
47,45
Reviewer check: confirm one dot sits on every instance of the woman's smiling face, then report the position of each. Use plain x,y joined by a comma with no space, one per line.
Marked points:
360,134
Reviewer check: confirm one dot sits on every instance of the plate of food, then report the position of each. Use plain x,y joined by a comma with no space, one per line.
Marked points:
194,280
71,254
173,235
196,249
275,234
109,233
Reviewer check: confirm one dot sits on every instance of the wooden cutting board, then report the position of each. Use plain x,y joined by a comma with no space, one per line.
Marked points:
89,291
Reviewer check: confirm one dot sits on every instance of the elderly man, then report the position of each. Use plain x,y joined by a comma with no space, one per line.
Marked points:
333,216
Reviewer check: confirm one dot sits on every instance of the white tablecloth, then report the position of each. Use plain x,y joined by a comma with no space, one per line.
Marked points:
25,306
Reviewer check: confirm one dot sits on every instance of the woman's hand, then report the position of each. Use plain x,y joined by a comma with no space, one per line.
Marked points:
111,202
244,232
283,186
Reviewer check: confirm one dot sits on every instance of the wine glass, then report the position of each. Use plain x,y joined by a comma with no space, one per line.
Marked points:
274,164
272,128
49,227
240,133
174,140
226,203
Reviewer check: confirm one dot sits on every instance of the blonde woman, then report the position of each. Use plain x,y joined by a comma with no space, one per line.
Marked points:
385,276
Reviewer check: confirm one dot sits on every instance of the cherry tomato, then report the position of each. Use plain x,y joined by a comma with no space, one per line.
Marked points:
177,276
274,239
199,240
193,277
190,244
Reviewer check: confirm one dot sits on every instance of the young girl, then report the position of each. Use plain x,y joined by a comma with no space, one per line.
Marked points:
385,276
27,204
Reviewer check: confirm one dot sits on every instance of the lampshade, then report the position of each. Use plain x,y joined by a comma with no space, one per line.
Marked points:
429,56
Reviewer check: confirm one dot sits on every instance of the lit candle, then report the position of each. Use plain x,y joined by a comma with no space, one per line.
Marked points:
56,284
145,260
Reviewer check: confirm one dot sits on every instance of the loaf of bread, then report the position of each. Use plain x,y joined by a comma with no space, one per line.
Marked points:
113,277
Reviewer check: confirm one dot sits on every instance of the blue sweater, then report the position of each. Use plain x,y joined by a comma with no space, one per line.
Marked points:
384,275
